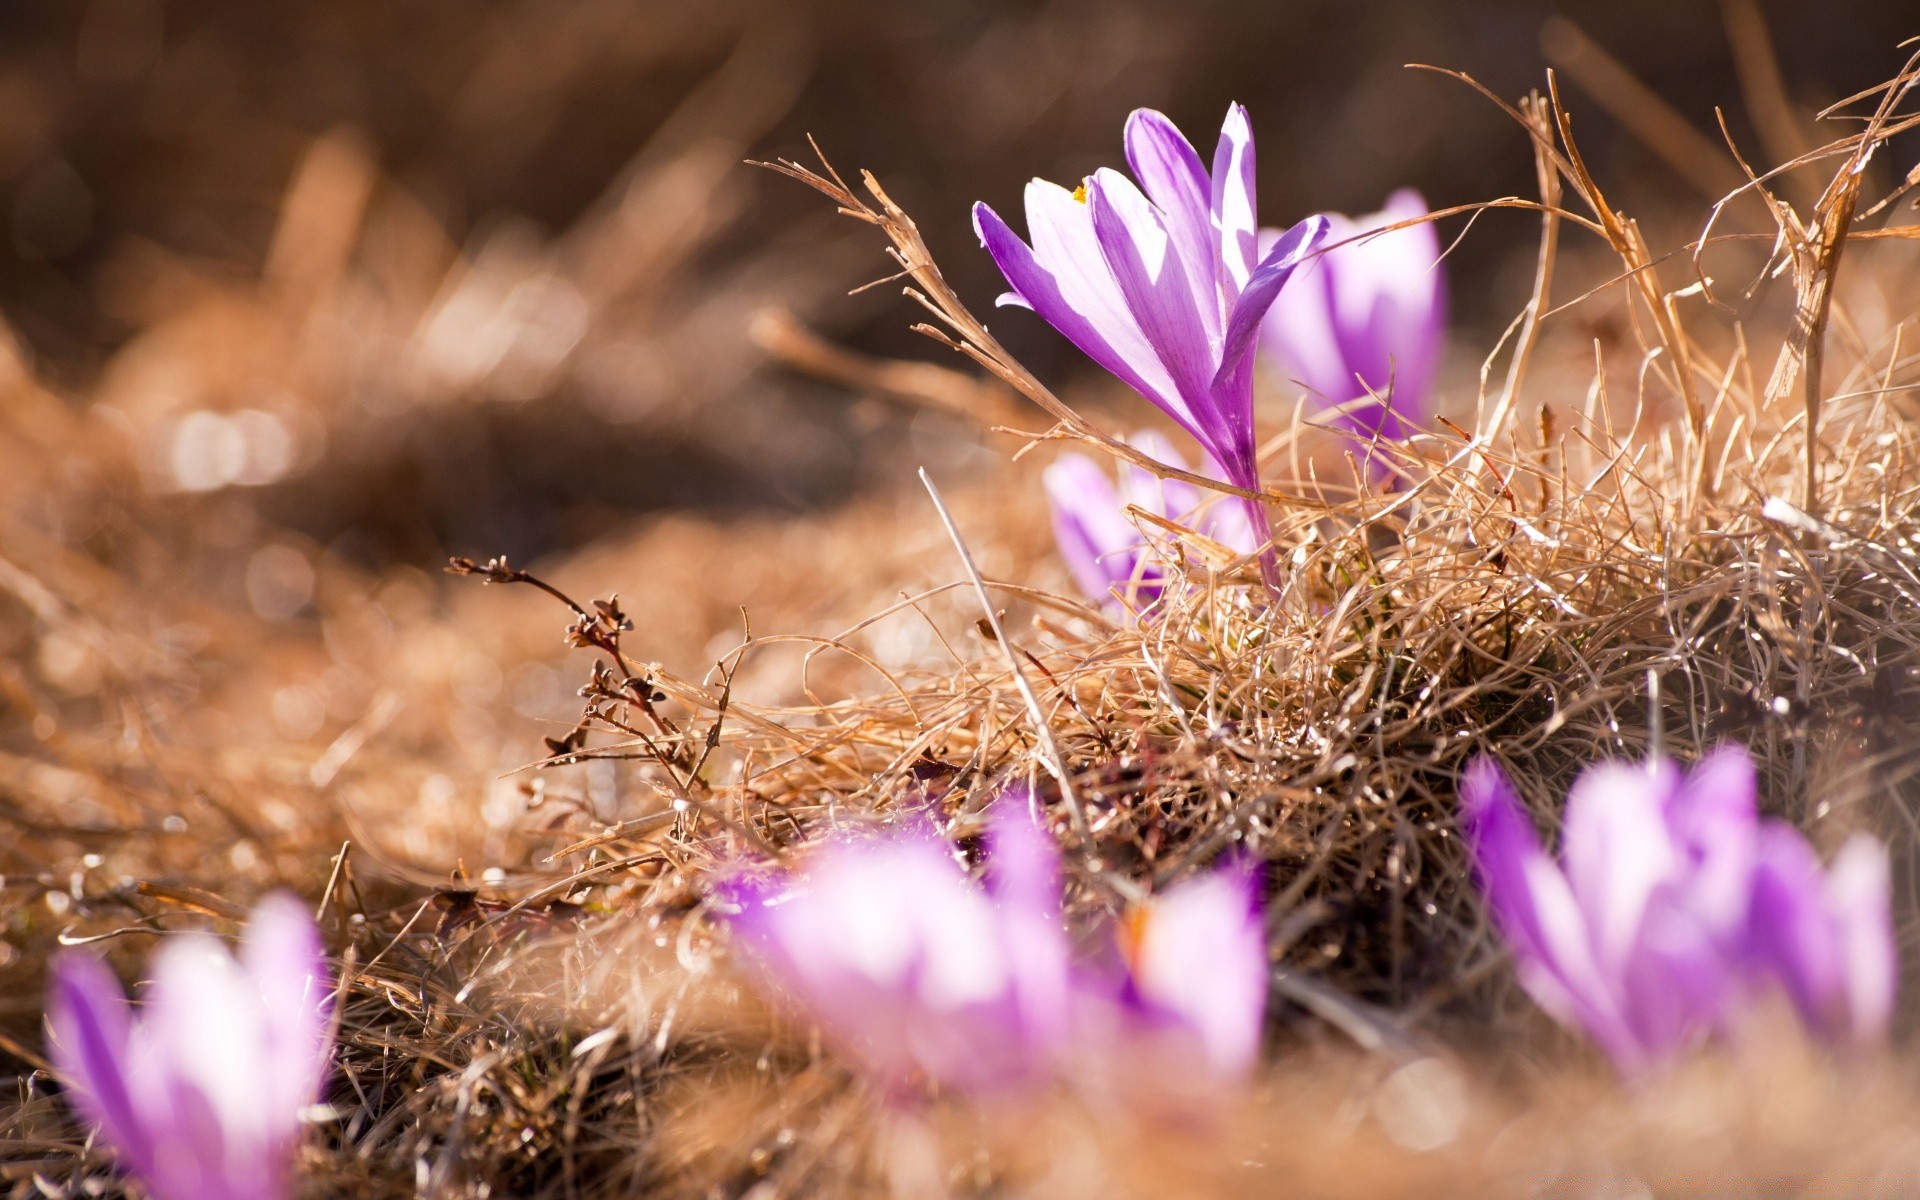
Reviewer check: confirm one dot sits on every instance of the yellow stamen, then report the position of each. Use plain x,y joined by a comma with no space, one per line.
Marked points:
1080,193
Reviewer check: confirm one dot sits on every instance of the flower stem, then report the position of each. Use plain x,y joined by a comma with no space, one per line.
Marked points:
1263,533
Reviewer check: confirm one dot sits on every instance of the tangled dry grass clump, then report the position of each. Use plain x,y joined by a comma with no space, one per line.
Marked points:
1693,518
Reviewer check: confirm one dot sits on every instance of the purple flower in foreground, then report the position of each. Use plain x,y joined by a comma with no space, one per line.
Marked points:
1827,937
1366,318
1162,283
1674,905
1102,547
201,1094
910,965
1197,967
921,973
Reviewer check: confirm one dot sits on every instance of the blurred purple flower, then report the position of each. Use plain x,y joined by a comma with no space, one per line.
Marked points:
1197,969
923,975
201,1095
1827,937
1162,283
1107,552
1366,318
912,967
1673,905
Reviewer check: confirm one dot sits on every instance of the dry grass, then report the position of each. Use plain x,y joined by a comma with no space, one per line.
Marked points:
1672,519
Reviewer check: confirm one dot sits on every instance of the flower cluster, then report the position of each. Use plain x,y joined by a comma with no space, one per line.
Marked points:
1675,908
202,1095
1162,282
1170,284
1106,552
926,976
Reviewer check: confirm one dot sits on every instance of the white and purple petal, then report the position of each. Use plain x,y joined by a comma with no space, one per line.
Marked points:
1619,851
1236,215
1145,262
1860,898
1063,278
1535,909
1103,550
89,1032
1171,175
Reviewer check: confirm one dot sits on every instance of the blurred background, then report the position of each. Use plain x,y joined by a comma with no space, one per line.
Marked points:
412,277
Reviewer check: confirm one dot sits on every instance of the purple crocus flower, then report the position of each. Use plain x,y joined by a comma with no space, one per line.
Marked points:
201,1095
1673,905
1162,283
1366,318
1104,550
922,974
1197,969
911,966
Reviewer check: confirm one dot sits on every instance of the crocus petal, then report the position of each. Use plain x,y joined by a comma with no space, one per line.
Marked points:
1860,893
904,960
1792,934
1263,288
1713,818
1235,210
1023,864
1396,292
1065,280
208,1026
1299,326
1174,499
1618,851
1535,909
1368,317
286,964
88,1030
1024,881
1675,984
1200,957
1171,175
1102,549
1145,261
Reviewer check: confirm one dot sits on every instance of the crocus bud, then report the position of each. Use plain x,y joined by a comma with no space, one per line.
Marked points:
201,1094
